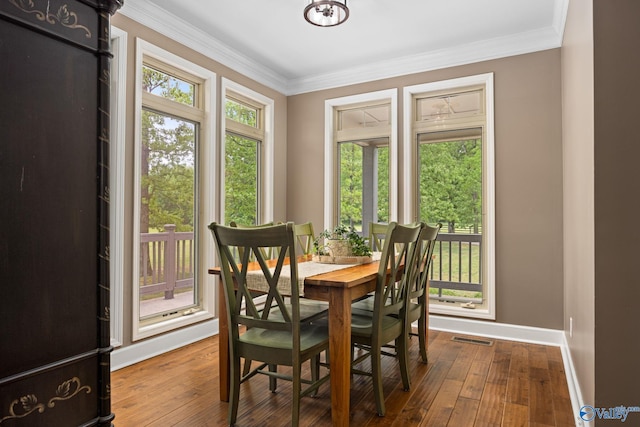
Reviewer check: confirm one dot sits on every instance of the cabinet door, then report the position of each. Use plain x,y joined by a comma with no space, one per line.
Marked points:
53,249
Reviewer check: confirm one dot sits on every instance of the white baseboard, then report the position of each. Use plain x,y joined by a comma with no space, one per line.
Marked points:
497,330
572,381
151,347
520,333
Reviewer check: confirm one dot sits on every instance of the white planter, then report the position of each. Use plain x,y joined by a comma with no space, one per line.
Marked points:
339,248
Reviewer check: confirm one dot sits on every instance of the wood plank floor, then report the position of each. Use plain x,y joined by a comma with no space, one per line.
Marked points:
464,384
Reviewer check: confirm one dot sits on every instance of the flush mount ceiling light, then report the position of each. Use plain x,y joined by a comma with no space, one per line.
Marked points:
326,13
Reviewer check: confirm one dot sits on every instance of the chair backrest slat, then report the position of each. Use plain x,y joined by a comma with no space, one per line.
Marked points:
304,237
395,266
423,258
377,233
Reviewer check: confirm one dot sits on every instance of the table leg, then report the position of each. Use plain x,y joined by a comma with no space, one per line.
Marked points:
340,354
223,345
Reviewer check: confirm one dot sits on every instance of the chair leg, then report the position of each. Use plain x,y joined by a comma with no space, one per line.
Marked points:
376,371
402,343
422,338
234,390
273,381
247,367
315,372
295,404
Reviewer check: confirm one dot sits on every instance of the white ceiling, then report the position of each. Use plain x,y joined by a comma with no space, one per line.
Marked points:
270,41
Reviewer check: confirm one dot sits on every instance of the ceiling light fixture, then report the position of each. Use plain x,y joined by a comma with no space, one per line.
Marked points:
326,13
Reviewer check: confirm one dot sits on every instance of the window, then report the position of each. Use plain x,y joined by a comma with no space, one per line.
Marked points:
450,179
172,193
248,156
360,146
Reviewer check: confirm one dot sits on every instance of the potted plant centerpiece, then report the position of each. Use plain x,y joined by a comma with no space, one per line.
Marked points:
341,245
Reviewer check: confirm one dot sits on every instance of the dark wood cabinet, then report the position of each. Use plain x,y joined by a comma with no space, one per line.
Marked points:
54,225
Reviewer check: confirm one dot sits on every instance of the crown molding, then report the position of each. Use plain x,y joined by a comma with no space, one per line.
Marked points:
485,50
145,13
181,31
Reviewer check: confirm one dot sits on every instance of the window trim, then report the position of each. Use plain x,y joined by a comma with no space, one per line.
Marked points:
410,177
117,138
330,150
205,186
266,168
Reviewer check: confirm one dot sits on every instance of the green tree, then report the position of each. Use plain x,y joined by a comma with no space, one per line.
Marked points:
383,184
242,156
451,183
350,184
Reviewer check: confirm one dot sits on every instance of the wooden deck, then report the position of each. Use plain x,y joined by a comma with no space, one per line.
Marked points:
464,384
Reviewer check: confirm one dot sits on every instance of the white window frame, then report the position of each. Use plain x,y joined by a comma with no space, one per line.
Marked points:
489,194
206,193
330,150
117,135
266,168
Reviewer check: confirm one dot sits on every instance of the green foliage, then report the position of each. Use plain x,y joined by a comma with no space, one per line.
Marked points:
451,183
242,156
359,246
241,180
383,185
351,184
241,113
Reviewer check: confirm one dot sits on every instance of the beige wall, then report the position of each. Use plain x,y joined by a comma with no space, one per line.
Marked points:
578,140
135,30
528,175
616,40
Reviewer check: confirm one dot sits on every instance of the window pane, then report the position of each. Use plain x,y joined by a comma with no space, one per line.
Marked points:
439,108
241,179
382,198
241,113
350,206
359,118
364,183
450,177
167,86
451,184
167,208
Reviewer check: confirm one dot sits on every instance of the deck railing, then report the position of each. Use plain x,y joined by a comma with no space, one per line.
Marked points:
166,261
457,264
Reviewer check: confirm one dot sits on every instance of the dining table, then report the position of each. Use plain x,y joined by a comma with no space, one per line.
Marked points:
339,287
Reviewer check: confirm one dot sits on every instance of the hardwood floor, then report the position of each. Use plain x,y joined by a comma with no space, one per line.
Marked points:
464,384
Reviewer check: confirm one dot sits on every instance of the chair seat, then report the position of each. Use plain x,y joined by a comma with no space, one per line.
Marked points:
309,311
365,303
362,324
311,336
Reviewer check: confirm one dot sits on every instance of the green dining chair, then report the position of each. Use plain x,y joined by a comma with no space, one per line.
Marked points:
273,334
304,237
371,331
268,253
377,233
418,297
